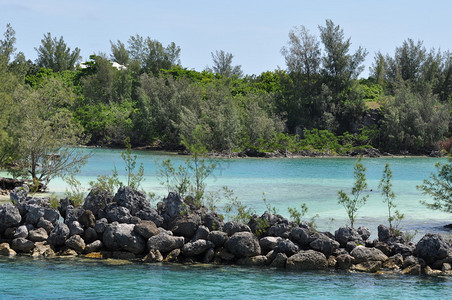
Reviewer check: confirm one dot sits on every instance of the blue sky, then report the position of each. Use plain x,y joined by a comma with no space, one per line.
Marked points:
253,31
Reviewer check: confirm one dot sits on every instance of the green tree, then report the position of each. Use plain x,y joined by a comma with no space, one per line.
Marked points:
439,187
9,84
339,66
54,53
302,54
222,64
7,47
47,132
357,199
152,55
413,121
385,187
119,53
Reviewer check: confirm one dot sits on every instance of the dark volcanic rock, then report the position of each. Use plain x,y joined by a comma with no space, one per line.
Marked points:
133,200
232,227
362,254
38,235
9,216
347,234
301,235
87,219
97,200
58,235
122,237
185,225
324,244
146,229
432,247
287,247
76,243
307,260
165,243
196,248
218,238
22,245
120,214
243,244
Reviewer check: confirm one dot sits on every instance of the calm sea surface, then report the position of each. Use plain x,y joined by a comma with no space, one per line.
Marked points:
286,183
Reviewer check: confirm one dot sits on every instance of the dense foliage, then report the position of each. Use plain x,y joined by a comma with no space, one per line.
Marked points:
142,92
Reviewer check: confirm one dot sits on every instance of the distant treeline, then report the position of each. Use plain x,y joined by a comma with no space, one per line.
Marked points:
142,91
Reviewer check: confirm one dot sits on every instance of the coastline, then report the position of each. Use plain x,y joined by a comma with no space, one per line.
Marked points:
124,226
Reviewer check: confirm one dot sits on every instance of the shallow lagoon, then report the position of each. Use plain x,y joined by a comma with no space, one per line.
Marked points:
286,182
290,182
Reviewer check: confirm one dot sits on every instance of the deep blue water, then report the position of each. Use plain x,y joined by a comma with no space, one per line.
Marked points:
82,279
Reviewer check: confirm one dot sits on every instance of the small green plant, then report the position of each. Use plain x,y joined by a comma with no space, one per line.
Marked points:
133,179
296,215
409,235
385,187
358,199
75,192
107,183
271,209
235,209
54,202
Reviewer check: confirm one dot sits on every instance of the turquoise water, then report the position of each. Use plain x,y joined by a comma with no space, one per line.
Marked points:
286,182
24,278
290,182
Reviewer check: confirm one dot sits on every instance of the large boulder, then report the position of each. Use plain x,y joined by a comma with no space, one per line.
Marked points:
76,243
22,245
38,235
280,230
19,194
150,214
165,243
185,225
362,254
132,199
122,237
120,214
58,235
344,261
173,205
301,236
9,216
324,244
218,238
201,233
307,260
87,219
213,221
243,244
21,232
432,247
287,247
75,228
232,227
269,243
36,212
348,234
97,200
196,248
146,229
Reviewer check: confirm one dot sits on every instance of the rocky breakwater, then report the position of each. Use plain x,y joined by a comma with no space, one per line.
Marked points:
125,226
